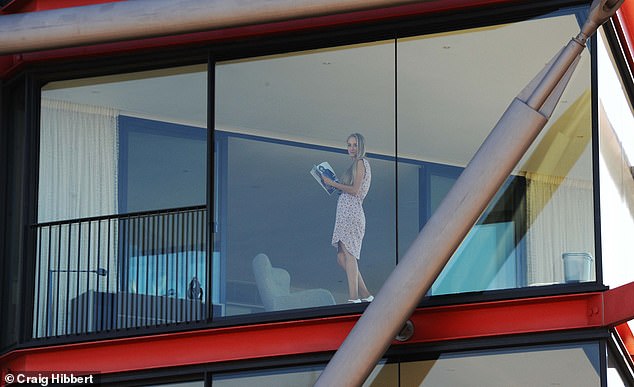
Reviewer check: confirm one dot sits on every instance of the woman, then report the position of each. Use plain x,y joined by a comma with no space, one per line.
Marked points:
350,220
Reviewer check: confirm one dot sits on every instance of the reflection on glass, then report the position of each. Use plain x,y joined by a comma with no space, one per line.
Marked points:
382,375
550,365
616,147
111,147
197,383
277,117
495,236
109,142
616,374
452,89
291,376
566,365
296,205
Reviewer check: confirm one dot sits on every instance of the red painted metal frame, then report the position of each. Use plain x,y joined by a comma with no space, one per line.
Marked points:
625,28
434,324
619,309
625,334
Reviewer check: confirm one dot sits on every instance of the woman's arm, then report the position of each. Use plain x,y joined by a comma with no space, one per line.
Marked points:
356,184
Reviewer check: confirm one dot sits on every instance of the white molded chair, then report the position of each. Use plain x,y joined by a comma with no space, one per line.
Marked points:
274,286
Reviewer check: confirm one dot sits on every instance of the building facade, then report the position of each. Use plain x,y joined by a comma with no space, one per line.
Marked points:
160,224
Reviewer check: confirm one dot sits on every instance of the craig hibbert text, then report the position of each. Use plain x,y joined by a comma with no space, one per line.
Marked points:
45,379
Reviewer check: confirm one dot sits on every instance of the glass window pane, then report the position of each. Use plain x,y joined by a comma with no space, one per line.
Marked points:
565,365
276,118
383,375
114,145
616,142
548,365
452,89
617,374
129,140
196,383
291,376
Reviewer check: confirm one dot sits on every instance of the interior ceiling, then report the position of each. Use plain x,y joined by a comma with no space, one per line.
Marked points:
450,90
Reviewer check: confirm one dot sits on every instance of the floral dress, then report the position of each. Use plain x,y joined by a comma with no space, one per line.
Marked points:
350,219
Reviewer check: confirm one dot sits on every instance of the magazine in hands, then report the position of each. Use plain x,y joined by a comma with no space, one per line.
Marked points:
324,169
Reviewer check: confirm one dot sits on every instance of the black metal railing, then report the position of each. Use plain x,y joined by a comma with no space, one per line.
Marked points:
122,271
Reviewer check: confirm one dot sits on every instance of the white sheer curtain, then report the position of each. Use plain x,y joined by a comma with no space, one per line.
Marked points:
78,161
77,179
560,219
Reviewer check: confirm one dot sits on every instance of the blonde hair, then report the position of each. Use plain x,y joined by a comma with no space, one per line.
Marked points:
349,176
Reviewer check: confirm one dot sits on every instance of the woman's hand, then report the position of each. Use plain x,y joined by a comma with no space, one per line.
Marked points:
327,180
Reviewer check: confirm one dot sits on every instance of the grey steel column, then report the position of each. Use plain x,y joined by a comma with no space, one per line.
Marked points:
136,19
458,212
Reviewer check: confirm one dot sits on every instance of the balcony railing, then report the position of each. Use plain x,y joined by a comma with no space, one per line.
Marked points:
122,271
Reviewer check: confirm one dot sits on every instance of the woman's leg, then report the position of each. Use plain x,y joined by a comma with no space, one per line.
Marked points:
341,257
352,272
363,290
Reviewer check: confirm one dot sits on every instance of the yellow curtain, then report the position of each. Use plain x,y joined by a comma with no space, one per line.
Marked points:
560,213
559,194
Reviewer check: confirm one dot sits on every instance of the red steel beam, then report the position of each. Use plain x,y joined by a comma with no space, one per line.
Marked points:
625,28
618,309
626,336
619,305
432,324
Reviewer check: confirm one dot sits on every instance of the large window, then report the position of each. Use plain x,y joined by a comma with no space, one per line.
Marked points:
121,234
126,184
452,89
550,365
277,117
424,105
123,143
